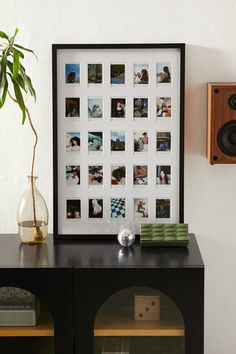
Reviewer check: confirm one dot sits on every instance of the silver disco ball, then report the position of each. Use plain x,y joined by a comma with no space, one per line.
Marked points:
126,237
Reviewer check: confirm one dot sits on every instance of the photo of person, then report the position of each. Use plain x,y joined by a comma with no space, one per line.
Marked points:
141,74
73,209
96,208
118,175
163,175
163,73
117,74
117,141
162,208
72,175
140,107
140,208
94,73
95,175
95,107
164,141
117,208
140,175
163,107
140,141
72,72
72,141
72,107
95,141
118,107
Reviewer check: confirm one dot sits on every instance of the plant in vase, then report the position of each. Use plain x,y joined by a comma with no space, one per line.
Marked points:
15,83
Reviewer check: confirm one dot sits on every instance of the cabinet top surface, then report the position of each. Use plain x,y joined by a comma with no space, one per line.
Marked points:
100,254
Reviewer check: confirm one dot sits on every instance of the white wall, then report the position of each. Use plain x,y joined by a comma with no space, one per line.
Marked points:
209,30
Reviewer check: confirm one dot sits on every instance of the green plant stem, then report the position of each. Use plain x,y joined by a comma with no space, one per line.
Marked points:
32,166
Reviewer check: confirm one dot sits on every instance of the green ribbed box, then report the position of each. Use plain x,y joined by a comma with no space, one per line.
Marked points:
156,235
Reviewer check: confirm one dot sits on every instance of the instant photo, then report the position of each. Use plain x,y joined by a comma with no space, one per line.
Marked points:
73,209
118,108
117,208
72,72
163,107
72,141
72,108
141,74
118,175
140,175
95,208
117,74
94,73
95,107
72,175
162,208
140,108
163,175
163,141
140,208
141,141
95,175
117,141
95,142
163,73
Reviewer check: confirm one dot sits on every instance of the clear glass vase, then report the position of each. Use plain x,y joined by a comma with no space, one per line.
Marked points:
32,215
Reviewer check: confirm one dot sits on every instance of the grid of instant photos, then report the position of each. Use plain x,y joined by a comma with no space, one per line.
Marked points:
118,128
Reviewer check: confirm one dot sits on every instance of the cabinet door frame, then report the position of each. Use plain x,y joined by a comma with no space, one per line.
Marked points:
185,286
55,288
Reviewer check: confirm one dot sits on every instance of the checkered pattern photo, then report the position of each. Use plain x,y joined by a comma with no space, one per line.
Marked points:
118,208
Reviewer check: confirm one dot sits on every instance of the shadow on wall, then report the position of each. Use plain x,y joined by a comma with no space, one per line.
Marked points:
202,65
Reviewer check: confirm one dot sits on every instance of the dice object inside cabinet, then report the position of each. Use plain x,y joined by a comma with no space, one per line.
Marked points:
138,319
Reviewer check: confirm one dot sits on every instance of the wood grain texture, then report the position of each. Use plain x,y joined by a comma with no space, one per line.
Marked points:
44,328
218,113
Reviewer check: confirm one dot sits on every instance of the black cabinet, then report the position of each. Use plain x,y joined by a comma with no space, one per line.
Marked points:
53,287
177,274
77,281
32,268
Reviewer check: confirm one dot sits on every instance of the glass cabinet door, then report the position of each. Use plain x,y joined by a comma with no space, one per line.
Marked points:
139,320
26,324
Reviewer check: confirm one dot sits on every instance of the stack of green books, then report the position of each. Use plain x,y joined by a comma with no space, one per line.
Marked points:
164,235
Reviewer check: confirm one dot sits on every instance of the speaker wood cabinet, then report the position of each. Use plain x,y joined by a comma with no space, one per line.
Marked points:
88,292
221,123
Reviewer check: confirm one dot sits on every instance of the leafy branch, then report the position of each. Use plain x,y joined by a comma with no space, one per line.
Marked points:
13,72
11,55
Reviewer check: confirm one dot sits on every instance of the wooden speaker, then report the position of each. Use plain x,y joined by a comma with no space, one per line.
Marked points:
221,125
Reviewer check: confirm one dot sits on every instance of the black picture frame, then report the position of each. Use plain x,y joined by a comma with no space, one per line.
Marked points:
179,48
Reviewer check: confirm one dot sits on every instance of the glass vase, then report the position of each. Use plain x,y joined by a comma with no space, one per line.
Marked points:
32,215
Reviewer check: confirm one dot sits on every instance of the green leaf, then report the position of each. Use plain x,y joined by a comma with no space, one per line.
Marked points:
3,64
4,95
3,35
28,82
24,76
16,63
19,99
27,49
16,31
10,66
20,53
13,37
31,88
19,80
